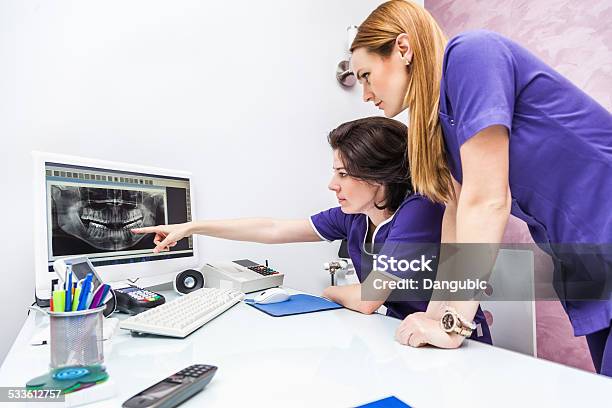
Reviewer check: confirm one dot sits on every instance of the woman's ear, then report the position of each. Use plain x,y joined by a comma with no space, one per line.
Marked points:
402,46
381,192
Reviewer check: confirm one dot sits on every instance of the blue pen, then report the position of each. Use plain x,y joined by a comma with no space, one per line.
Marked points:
89,299
85,292
105,295
69,290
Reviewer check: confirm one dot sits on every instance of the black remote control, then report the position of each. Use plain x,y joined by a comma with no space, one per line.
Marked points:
175,389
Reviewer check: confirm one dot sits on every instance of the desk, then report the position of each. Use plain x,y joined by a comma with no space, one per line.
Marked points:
335,358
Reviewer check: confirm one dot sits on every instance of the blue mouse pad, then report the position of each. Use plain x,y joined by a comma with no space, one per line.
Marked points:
389,402
297,304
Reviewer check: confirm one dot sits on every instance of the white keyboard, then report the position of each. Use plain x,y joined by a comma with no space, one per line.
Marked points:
180,317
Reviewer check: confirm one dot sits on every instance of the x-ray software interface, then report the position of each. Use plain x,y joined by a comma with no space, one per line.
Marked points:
90,211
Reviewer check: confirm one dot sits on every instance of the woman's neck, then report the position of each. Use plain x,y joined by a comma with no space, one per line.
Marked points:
377,216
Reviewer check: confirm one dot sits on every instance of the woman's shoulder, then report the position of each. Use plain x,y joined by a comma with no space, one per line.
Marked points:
418,219
476,38
480,53
419,201
333,223
475,47
418,208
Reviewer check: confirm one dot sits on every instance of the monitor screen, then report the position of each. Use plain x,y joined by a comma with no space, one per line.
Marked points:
91,211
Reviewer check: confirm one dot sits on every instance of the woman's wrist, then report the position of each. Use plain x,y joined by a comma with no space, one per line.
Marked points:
192,227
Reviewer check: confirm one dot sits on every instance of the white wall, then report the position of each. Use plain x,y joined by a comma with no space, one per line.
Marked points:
240,93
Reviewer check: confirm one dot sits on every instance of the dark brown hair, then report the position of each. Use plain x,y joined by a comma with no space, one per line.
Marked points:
374,150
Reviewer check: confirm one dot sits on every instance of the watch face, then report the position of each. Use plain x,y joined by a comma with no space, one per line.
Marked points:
448,321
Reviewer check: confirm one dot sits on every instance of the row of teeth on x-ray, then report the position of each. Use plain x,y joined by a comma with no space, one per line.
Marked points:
133,224
100,231
112,220
97,231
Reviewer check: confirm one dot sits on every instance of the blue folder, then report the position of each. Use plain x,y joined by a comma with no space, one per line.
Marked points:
389,402
297,304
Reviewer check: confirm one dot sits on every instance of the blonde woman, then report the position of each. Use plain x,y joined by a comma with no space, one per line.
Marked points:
495,131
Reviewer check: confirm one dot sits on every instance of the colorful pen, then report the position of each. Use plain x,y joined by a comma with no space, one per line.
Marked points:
98,296
85,289
75,301
89,300
68,288
59,299
106,296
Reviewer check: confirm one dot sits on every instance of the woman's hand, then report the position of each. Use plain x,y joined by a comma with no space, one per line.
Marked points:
417,330
413,330
328,293
166,236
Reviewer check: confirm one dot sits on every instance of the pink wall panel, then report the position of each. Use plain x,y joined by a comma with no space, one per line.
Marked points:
574,37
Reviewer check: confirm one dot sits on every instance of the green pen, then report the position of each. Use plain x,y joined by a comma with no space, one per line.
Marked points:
59,300
75,301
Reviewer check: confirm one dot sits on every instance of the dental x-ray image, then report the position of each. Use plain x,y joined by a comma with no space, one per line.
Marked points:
92,220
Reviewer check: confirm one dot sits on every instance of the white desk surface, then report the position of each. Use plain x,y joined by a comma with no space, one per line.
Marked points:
335,358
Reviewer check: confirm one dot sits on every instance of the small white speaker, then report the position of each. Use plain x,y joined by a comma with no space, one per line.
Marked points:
188,281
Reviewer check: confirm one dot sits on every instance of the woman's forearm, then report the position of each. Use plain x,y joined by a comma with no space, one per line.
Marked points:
480,220
262,230
449,226
483,223
349,296
472,222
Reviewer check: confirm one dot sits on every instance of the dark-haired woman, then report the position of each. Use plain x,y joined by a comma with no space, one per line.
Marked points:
378,213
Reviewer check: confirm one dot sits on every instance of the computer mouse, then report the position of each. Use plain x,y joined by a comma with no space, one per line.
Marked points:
273,295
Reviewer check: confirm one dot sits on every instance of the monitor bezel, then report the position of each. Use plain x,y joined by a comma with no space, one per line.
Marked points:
145,273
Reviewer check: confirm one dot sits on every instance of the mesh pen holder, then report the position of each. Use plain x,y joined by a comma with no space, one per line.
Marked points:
76,338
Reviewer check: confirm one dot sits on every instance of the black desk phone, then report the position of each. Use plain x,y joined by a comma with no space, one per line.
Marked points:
134,300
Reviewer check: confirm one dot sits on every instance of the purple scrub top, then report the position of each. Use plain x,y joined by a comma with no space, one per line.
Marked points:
560,172
417,220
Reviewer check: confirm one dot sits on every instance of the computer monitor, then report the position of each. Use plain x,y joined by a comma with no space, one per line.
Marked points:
87,207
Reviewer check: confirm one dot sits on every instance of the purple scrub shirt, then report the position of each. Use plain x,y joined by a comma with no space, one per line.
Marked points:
417,220
560,172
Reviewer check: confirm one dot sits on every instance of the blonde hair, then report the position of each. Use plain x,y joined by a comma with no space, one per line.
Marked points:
425,148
